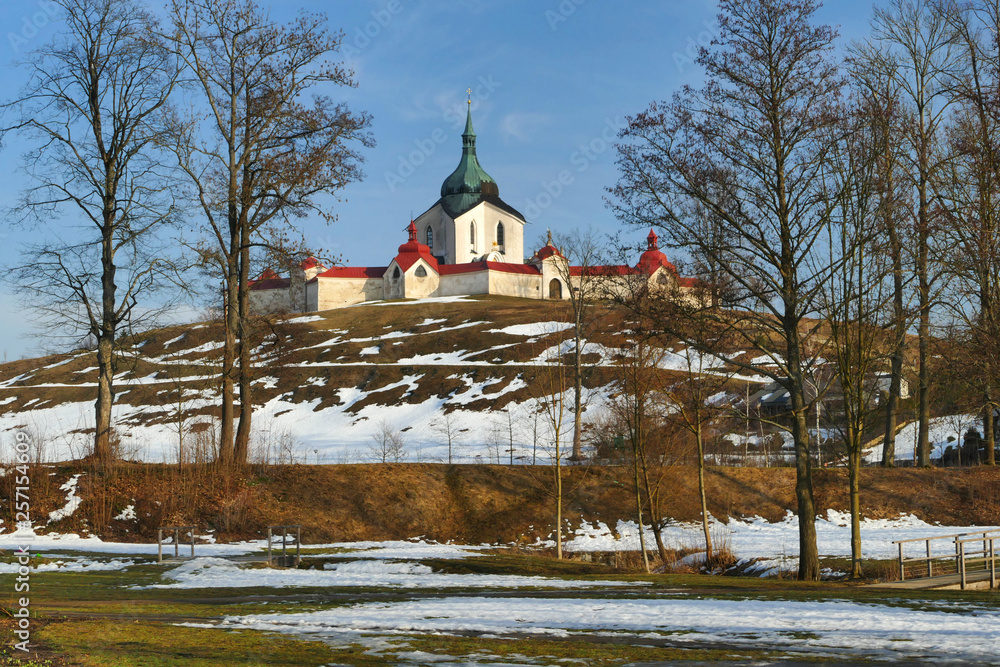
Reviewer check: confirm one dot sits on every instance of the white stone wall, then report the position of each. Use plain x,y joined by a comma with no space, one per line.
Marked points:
522,285
551,270
271,301
439,223
486,217
340,292
416,287
312,296
465,283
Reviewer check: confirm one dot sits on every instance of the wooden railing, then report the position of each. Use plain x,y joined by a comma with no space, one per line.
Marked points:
177,536
271,530
956,561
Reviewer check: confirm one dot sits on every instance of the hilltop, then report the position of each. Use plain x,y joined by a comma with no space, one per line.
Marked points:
327,382
466,369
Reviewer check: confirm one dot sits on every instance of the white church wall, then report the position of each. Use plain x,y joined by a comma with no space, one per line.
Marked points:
459,284
513,248
312,296
515,284
486,217
271,301
463,236
420,287
339,292
438,221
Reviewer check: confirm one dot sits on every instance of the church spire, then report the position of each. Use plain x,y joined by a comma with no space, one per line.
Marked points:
469,182
469,136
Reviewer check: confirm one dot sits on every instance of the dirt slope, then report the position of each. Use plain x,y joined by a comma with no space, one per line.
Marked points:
468,503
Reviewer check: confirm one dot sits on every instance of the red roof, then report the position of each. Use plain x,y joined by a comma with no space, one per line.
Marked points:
353,272
310,263
548,250
472,267
653,258
614,270
270,283
412,251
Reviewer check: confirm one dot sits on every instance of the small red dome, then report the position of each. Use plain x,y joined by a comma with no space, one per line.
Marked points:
413,250
653,258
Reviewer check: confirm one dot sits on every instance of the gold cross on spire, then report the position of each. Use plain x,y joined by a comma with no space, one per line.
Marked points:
469,91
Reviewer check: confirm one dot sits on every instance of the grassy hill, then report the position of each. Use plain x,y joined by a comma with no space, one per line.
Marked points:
326,383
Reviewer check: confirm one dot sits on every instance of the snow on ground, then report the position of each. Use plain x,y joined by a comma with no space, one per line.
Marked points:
688,359
36,541
400,550
888,632
534,329
72,565
332,434
389,550
757,538
941,428
72,500
304,319
221,573
174,340
410,302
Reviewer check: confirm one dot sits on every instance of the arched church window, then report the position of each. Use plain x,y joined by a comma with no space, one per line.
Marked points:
472,235
430,237
500,235
421,272
396,274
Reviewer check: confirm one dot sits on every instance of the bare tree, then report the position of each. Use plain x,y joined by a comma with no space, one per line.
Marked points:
92,105
875,76
749,148
551,383
916,44
257,150
388,444
970,192
855,302
448,429
585,285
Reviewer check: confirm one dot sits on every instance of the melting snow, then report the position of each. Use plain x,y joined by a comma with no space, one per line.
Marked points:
221,573
72,500
888,632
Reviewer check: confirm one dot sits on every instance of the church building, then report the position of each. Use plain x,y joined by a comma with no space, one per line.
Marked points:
469,242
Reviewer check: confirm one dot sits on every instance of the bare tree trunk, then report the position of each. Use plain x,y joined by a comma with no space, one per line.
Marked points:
656,521
808,550
559,500
899,346
577,387
226,452
854,473
699,437
241,447
989,437
638,513
923,335
105,348
105,399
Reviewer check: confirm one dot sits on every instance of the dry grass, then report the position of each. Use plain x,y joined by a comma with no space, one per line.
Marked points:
469,503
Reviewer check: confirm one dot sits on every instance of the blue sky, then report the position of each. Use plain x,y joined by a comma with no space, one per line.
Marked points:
552,80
